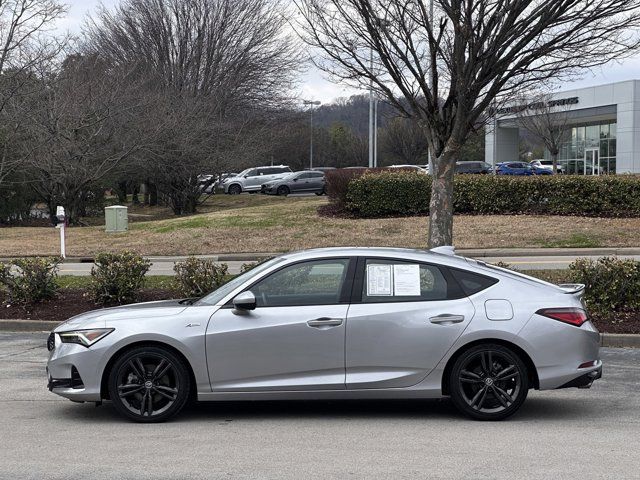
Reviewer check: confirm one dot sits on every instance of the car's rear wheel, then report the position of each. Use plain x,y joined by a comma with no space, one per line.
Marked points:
283,190
488,382
235,189
149,384
322,192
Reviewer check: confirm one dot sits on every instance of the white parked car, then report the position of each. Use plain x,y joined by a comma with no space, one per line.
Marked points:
417,168
251,179
546,165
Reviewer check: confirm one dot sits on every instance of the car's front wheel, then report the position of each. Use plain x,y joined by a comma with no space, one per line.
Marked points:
283,190
149,384
235,189
488,382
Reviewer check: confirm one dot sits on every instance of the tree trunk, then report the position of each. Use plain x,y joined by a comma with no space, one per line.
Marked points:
441,204
135,189
554,159
153,194
121,191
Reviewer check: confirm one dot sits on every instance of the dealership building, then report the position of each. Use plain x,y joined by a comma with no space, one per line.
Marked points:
602,127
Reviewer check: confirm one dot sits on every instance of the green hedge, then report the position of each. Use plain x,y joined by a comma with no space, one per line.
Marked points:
408,193
612,284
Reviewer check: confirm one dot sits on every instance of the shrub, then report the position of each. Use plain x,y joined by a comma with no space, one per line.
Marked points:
196,277
612,285
389,193
29,280
407,193
118,277
337,182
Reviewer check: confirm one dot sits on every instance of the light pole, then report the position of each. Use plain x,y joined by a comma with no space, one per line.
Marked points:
371,114
311,103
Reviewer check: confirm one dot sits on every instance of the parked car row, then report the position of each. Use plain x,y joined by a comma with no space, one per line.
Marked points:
281,180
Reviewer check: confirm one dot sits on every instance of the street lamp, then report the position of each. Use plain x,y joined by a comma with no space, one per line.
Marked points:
311,103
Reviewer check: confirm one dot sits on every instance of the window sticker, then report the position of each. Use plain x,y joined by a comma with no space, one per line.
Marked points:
379,280
406,280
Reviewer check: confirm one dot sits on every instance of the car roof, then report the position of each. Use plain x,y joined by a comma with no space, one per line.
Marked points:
399,253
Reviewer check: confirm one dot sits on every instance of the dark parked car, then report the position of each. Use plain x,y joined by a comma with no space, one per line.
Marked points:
473,167
299,182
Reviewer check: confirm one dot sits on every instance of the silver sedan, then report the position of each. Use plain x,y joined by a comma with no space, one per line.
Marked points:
339,323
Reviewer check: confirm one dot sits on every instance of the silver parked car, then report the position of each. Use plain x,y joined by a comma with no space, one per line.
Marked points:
337,323
299,182
251,179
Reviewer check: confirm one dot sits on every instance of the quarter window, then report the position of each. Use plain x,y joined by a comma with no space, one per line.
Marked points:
472,282
316,282
397,281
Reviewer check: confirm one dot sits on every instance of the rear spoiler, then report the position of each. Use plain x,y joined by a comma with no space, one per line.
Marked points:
572,288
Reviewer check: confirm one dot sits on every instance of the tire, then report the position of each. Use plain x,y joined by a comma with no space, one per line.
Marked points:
323,192
283,190
488,382
149,384
234,189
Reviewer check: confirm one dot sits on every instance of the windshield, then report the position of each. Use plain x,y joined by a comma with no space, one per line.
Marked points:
218,295
244,172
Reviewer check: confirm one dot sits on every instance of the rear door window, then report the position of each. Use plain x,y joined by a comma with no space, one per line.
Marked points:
387,281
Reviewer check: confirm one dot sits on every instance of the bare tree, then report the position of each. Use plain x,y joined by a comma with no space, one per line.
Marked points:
25,44
447,69
78,130
403,141
215,69
547,120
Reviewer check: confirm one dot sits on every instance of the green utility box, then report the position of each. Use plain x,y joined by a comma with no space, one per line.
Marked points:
116,219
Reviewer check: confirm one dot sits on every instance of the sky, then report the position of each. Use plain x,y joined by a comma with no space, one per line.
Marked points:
314,86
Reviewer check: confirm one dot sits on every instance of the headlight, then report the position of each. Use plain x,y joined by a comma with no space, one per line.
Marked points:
86,338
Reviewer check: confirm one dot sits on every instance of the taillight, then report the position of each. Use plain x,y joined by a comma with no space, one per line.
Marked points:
570,315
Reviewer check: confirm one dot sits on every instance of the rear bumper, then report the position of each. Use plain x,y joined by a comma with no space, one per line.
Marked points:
585,380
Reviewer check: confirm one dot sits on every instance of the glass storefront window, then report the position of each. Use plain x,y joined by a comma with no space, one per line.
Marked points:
593,136
582,138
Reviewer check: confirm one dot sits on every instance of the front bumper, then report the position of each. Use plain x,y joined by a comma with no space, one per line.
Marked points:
74,371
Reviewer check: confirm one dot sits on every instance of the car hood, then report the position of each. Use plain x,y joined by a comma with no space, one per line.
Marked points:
100,317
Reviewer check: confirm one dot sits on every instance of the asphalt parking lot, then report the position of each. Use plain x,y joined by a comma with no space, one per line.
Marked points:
559,434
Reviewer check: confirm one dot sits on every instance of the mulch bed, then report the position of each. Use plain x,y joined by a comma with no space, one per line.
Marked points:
69,303
72,302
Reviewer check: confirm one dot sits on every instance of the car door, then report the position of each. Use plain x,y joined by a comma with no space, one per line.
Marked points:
404,318
252,180
293,340
298,183
315,182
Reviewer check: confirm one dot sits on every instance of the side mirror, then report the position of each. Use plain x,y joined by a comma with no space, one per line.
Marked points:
245,301
295,179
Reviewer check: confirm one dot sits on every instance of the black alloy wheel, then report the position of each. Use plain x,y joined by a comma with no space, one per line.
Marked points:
235,189
488,382
149,384
283,190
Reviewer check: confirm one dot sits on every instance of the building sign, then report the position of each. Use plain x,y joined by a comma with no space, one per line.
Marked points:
537,105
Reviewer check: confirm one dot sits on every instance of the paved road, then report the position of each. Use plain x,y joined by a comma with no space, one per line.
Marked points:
551,262
559,434
157,268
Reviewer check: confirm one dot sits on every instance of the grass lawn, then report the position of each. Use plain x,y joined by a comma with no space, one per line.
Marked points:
257,223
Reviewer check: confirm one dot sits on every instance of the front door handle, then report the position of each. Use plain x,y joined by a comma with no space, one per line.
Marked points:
325,322
447,318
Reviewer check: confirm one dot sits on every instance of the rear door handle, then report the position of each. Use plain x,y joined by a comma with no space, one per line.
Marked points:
447,318
325,322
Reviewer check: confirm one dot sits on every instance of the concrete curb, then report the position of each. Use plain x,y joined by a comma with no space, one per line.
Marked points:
606,339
